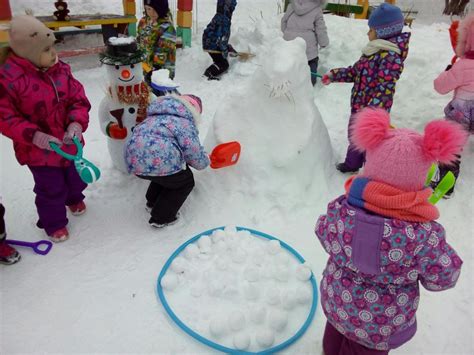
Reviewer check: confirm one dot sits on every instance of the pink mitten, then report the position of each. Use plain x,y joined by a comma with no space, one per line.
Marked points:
42,140
73,130
326,79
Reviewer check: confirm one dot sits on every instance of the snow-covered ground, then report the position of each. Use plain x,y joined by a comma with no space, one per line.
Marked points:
95,293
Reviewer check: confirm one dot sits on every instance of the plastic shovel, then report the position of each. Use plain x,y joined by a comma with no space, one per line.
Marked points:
225,154
42,247
446,183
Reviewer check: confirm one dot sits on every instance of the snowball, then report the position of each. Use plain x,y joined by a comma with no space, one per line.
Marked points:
272,296
282,273
217,235
273,247
237,320
196,291
220,246
251,291
215,288
169,282
191,251
251,274
221,264
241,341
117,41
162,78
303,272
179,265
230,229
265,337
303,295
282,259
257,257
288,299
278,320
267,271
218,327
239,256
204,244
258,314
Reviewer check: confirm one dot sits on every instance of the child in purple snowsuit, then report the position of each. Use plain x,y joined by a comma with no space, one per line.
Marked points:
376,72
40,103
382,238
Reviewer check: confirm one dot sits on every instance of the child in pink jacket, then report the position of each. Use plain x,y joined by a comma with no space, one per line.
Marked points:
460,79
382,237
41,103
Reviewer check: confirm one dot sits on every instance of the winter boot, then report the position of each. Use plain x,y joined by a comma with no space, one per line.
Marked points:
8,255
156,224
214,72
78,208
344,168
60,235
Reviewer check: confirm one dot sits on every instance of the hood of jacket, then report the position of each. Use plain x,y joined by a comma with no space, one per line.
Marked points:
401,40
302,7
173,105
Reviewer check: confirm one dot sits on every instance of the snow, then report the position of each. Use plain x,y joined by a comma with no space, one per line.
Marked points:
119,41
95,293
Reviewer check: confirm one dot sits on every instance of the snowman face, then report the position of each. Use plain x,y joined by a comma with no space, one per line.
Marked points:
130,74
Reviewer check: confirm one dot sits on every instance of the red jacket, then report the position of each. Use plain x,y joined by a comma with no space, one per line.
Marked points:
32,100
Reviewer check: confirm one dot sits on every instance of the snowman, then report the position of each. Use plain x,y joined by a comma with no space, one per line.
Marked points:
127,96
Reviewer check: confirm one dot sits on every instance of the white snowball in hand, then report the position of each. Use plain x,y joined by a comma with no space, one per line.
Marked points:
303,272
258,314
237,320
218,327
169,282
265,337
278,320
251,274
179,265
273,247
191,251
241,341
204,244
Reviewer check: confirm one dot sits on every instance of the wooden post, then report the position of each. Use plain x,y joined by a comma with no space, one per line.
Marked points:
365,4
130,9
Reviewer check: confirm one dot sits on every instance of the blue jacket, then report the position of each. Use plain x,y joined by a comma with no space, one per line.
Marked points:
166,140
216,35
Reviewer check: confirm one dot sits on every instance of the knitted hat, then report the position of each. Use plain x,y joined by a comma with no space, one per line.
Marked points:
402,157
29,38
194,101
160,6
387,20
466,36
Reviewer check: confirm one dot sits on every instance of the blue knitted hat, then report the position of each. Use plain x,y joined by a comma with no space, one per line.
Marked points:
387,20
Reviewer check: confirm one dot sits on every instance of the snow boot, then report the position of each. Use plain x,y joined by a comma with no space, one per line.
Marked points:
214,72
148,207
78,208
155,224
343,168
8,255
60,235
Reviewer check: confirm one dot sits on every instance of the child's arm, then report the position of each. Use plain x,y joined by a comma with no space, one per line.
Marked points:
343,75
188,140
384,85
12,123
78,104
321,30
439,263
448,80
284,19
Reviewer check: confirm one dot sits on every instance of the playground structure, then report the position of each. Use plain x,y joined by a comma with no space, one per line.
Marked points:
111,24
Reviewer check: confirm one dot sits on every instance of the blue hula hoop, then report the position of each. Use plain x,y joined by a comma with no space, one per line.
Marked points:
212,344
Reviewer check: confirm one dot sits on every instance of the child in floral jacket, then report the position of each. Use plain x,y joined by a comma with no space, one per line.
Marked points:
376,73
42,103
161,150
382,238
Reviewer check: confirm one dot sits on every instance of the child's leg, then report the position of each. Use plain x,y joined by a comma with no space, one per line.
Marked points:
153,192
175,190
313,66
2,221
51,191
75,186
8,255
354,159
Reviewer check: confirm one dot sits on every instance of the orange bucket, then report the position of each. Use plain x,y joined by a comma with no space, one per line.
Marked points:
225,154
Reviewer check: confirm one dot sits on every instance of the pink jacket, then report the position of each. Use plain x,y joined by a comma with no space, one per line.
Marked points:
459,78
32,100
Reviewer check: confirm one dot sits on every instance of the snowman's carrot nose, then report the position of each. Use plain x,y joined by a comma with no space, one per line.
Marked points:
125,74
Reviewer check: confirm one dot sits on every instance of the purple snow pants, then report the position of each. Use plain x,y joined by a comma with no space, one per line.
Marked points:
354,158
334,343
55,188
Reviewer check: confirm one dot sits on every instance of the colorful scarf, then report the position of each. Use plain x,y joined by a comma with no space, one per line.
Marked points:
137,94
390,201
